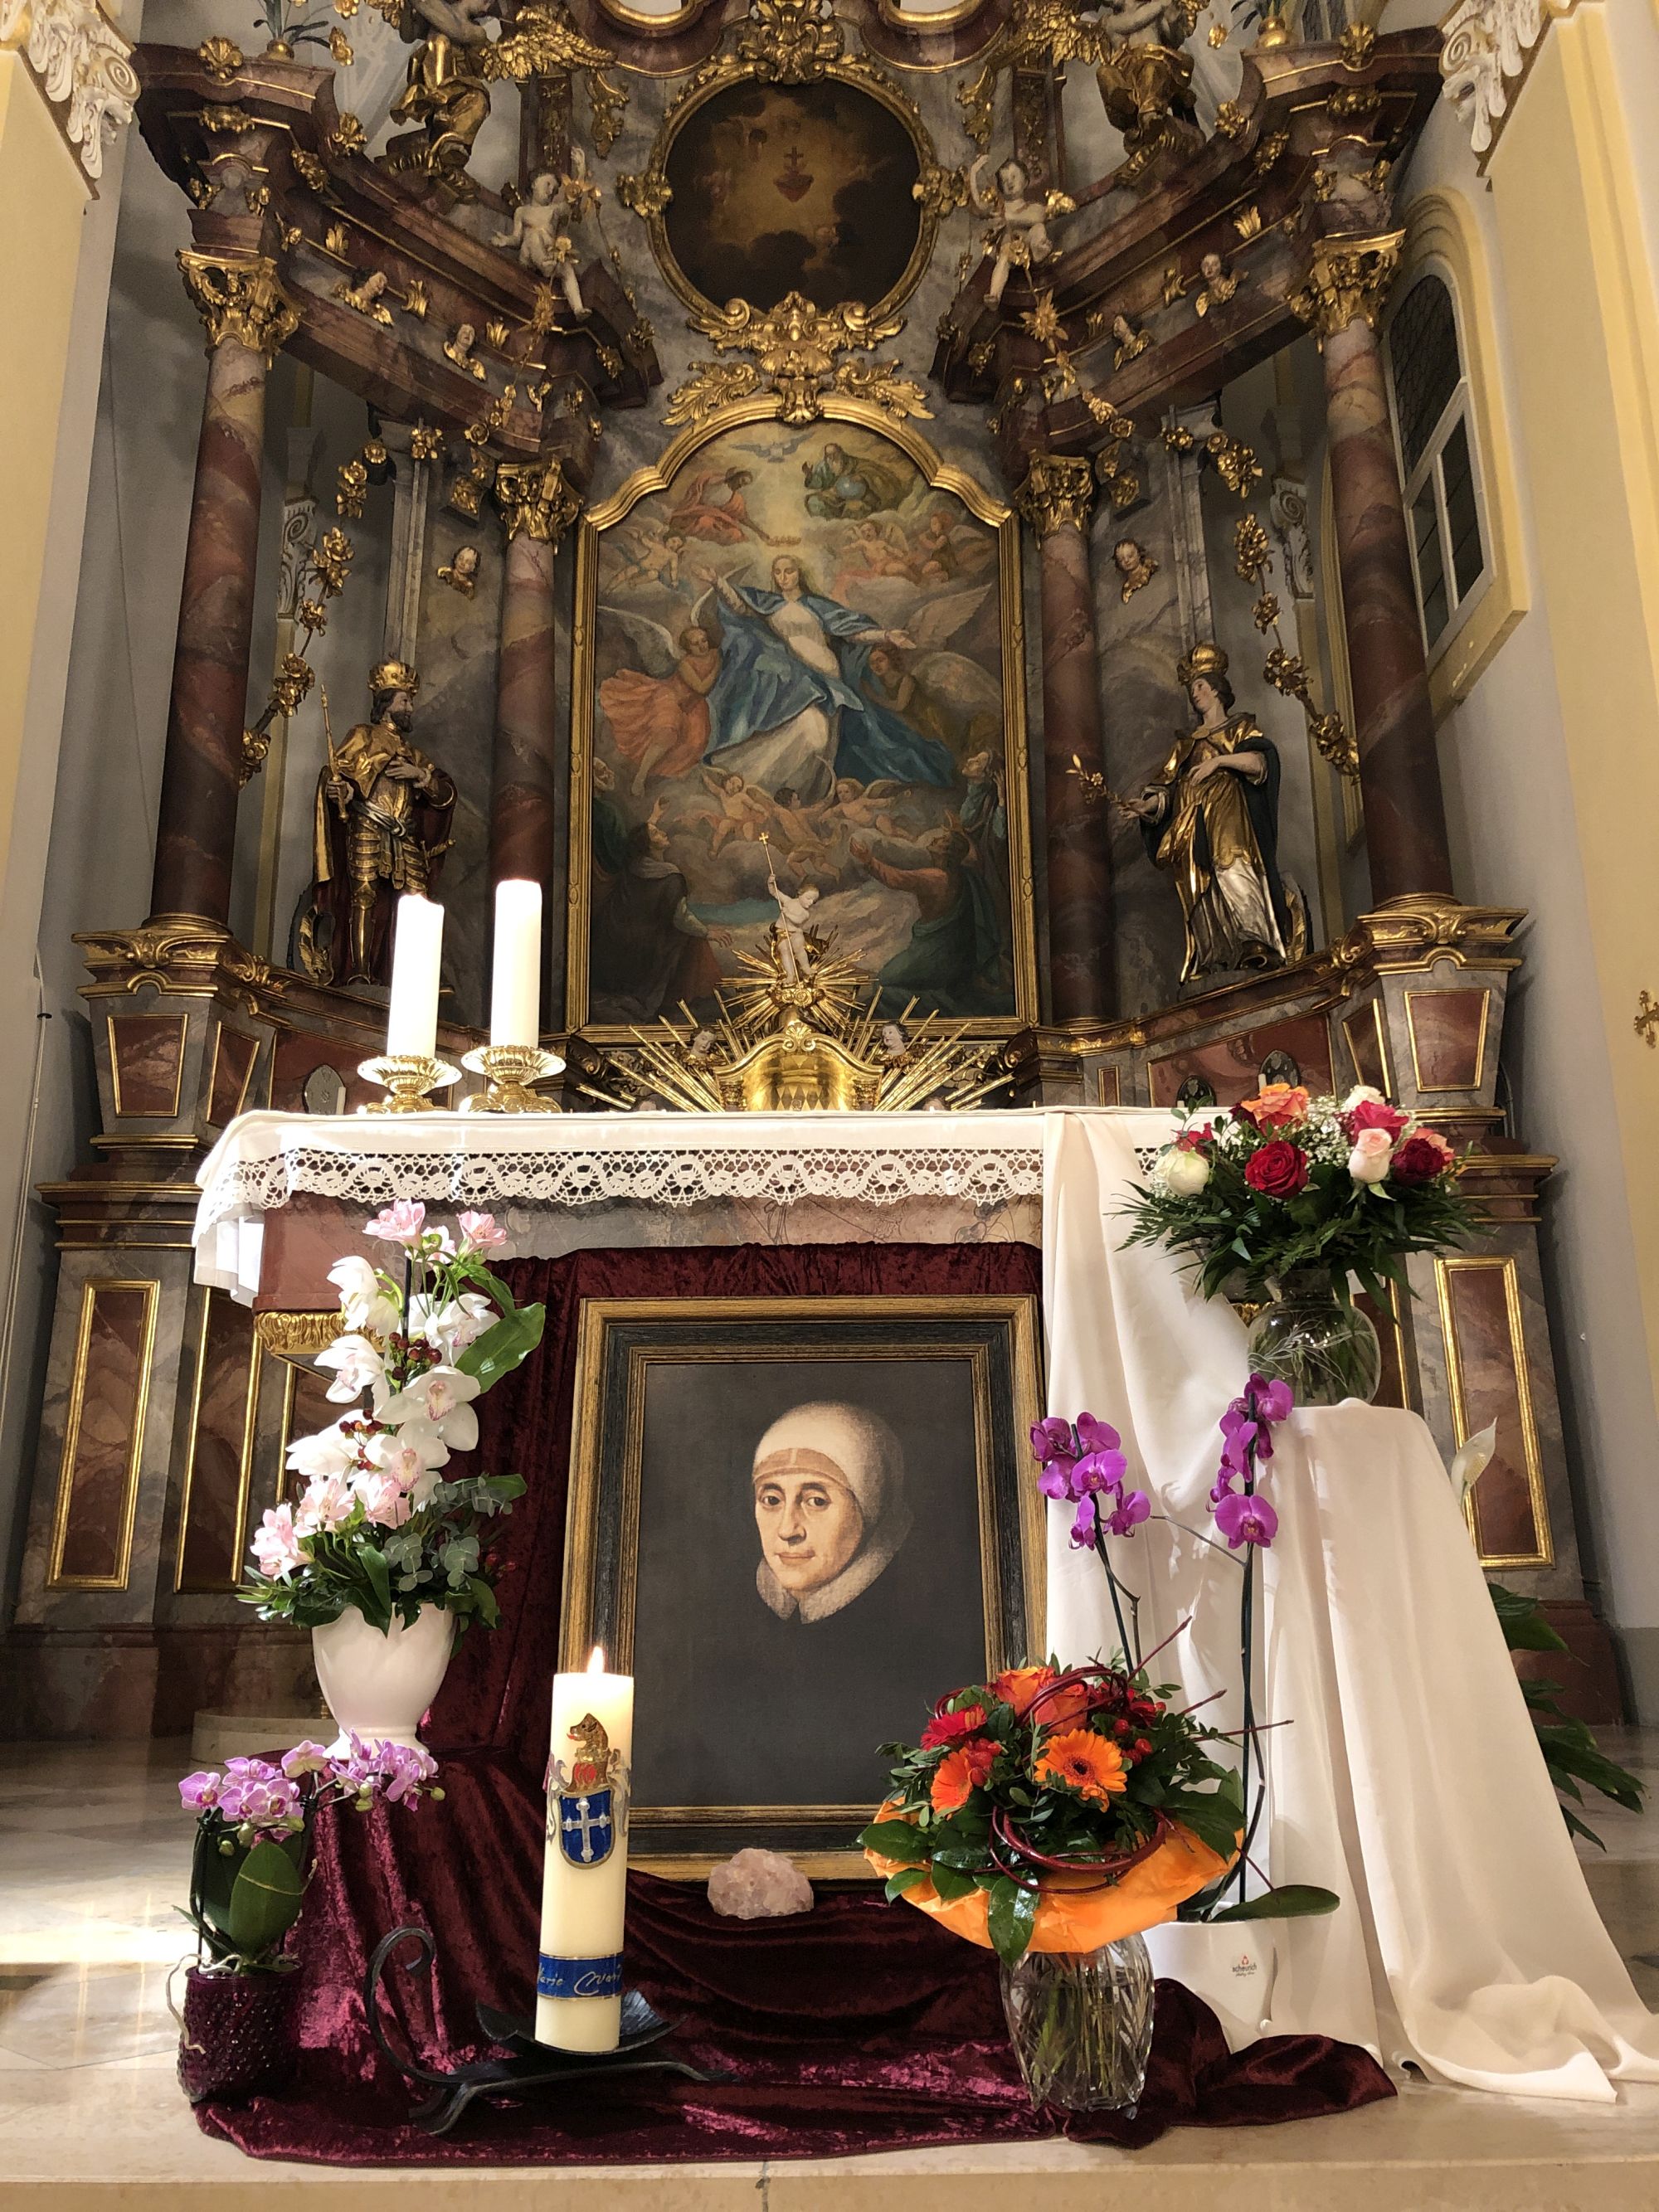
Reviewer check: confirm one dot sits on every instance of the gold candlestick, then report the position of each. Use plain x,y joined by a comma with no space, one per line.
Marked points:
509,1070
406,1078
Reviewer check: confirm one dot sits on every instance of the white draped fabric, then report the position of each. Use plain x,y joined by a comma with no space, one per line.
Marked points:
1408,1778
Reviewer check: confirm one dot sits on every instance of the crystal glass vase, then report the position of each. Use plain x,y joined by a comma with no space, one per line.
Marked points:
1316,1340
1081,2025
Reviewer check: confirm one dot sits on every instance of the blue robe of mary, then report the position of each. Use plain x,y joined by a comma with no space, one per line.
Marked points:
763,685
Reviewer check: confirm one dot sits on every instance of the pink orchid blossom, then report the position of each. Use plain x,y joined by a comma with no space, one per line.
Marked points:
327,1501
481,1232
385,1500
276,1544
403,1222
1245,1518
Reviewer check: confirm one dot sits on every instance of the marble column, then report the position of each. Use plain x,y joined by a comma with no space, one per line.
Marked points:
1399,763
537,508
1056,499
248,319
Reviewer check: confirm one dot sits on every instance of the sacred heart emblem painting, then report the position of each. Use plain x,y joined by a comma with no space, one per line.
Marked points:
799,656
587,1796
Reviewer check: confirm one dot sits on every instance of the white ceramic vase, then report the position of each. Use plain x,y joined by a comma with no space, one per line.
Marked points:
1230,1966
378,1686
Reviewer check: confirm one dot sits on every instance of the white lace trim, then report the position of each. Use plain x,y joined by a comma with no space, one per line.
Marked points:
578,1164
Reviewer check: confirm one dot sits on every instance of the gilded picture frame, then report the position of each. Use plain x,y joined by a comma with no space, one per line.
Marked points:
944,483
667,1540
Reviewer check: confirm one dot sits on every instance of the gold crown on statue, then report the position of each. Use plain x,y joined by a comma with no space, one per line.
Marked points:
1202,660
394,676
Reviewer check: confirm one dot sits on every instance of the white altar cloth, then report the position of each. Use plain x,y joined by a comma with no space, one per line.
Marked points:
1408,1779
495,1160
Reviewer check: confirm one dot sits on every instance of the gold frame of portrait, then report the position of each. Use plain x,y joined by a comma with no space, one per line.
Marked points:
937,189
941,475
600,1525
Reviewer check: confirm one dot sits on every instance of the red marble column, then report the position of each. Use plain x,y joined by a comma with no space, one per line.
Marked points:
537,507
196,830
1057,498
1399,763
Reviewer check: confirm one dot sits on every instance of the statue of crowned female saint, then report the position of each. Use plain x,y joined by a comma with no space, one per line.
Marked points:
1210,817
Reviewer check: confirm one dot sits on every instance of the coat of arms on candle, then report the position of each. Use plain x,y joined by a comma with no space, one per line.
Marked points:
588,1798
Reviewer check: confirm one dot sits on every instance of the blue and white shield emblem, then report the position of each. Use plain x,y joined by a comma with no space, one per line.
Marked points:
587,1829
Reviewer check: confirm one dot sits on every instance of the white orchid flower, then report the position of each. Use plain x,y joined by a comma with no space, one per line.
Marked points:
363,1299
331,1451
328,1501
358,1367
411,1456
450,1328
1472,1460
442,1396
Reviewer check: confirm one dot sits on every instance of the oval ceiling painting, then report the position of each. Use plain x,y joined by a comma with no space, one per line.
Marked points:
793,188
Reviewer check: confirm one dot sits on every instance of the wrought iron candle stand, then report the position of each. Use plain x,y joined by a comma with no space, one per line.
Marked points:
533,2068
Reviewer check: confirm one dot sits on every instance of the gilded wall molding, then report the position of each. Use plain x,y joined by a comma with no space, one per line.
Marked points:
84,66
795,348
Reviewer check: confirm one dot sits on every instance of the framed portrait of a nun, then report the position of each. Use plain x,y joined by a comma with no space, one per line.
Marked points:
797,1522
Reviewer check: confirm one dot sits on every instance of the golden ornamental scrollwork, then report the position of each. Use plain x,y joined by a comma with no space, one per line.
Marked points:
795,347
535,500
1347,281
790,41
177,953
1058,493
1037,33
240,300
1416,931
545,42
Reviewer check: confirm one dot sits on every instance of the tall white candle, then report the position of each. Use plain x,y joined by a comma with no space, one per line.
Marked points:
516,993
411,1021
584,1880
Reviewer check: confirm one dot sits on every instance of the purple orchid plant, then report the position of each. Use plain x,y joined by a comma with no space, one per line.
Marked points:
1082,1463
247,1881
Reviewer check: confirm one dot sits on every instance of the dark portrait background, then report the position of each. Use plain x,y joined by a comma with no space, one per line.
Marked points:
735,1706
799,188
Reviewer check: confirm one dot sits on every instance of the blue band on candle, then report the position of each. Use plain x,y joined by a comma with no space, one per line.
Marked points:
580,1978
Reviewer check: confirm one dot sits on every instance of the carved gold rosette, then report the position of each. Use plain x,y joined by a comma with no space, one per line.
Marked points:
1058,494
1347,281
240,300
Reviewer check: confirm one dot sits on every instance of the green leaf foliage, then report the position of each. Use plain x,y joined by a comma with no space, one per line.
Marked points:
265,1901
1012,1915
1296,1900
504,1346
1570,1753
896,1839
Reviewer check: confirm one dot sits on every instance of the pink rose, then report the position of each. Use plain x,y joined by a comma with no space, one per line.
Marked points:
1372,1151
1372,1114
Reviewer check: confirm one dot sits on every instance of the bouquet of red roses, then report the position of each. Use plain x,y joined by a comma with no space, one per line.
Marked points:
1286,1183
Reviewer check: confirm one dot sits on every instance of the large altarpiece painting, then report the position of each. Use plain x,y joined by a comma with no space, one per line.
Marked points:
798,672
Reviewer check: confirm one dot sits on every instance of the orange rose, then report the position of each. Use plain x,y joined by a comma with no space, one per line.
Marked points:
1277,1106
959,1774
1021,1687
1083,1762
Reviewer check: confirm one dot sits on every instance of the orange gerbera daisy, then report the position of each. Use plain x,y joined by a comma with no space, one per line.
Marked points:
1084,1762
959,1773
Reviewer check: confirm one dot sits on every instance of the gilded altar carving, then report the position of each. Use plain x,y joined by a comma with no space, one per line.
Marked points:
240,300
445,99
1484,44
535,500
1058,494
543,42
1347,281
1418,930
795,347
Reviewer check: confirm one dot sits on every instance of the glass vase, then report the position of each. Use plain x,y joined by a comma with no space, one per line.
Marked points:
1316,1340
1081,2025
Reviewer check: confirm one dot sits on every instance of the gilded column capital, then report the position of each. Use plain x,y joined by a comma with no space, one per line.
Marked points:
1347,281
240,300
535,500
1058,493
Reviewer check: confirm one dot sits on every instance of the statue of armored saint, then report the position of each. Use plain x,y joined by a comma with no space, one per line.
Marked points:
1210,817
380,828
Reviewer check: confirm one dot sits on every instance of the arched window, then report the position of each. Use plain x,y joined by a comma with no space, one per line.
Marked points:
1434,422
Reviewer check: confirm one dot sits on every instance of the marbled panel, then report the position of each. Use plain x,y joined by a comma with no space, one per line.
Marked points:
1399,766
1488,1361
101,1443
217,1464
1362,1030
305,1409
299,1054
147,1053
523,817
234,1052
196,828
1080,881
1231,1065
1448,1030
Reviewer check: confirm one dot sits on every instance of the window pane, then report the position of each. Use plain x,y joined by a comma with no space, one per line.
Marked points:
1463,521
1430,569
1423,360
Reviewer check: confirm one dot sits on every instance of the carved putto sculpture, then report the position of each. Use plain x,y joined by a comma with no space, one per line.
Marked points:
544,244
459,350
364,297
461,575
1135,567
445,97
1210,819
1146,80
1219,283
1131,342
380,828
1018,233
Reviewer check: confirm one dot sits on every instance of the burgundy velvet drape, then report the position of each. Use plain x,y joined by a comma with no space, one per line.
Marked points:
860,2027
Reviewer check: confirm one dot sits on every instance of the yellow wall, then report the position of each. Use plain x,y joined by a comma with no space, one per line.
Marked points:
1582,313
43,198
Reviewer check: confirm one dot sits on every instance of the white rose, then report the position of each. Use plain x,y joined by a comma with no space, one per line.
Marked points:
1368,1162
1183,1174
1358,1095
